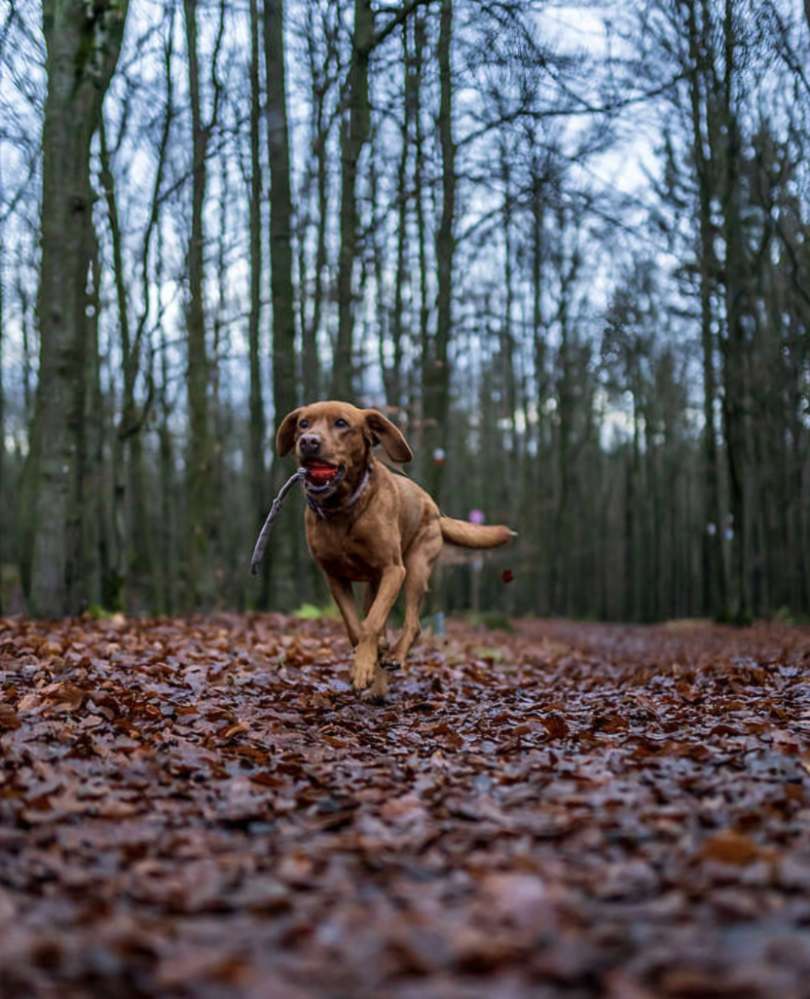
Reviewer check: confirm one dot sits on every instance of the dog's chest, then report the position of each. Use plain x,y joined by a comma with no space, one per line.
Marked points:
342,553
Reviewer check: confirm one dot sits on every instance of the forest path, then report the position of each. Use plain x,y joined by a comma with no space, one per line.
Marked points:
203,807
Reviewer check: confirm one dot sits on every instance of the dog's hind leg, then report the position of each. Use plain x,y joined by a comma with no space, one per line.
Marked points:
418,565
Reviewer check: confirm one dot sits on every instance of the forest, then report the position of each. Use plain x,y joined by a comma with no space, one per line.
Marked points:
563,246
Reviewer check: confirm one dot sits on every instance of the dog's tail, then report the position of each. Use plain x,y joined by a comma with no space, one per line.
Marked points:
458,532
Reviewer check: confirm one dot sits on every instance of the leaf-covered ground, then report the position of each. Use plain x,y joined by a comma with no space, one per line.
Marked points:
205,808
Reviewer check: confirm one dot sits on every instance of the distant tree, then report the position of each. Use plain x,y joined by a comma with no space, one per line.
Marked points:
201,528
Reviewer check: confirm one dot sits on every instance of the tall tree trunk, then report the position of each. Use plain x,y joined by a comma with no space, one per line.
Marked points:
377,253
562,543
422,343
5,527
119,449
354,136
24,299
285,396
394,380
167,534
507,334
320,66
631,530
95,546
539,481
713,565
735,393
258,428
281,213
82,50
201,518
133,543
311,379
436,376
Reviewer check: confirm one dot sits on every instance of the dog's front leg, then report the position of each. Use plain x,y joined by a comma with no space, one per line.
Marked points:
366,654
341,590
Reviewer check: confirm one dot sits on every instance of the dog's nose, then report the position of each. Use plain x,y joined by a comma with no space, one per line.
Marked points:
309,445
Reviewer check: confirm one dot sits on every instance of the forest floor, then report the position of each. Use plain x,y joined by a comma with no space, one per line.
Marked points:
203,807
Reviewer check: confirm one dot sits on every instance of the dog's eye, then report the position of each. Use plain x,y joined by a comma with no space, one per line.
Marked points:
303,424
341,424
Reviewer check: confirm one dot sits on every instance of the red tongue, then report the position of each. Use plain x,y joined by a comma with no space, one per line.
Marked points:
321,473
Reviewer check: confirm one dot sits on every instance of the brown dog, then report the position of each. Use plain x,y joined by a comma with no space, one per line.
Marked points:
367,524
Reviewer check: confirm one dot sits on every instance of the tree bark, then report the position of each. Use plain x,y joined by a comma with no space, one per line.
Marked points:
436,374
83,45
354,136
95,563
4,505
281,213
201,519
319,70
394,379
258,429
538,481
285,394
423,341
734,348
133,544
713,565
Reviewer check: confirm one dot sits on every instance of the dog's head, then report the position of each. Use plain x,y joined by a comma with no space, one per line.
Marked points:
333,440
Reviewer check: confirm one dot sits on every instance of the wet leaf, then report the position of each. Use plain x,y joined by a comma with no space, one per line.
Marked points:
203,806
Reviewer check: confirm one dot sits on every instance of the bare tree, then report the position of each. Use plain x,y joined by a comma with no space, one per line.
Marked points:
82,51
200,511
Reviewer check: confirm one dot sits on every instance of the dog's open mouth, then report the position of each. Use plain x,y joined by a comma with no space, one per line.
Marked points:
322,476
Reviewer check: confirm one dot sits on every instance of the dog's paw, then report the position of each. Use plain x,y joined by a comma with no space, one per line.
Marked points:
378,689
363,670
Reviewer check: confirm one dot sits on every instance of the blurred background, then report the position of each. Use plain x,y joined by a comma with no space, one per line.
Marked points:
564,246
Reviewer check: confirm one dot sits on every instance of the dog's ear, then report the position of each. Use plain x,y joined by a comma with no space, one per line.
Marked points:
383,431
285,436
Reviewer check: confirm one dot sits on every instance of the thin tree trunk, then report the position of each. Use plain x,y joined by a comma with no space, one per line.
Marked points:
377,240
94,545
354,136
423,342
394,381
713,566
220,416
5,527
285,396
133,543
631,567
735,381
127,417
82,53
166,531
508,341
258,429
283,305
26,330
538,481
319,69
436,377
201,526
